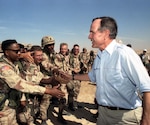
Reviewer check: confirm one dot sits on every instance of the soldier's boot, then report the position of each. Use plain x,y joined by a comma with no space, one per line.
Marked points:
62,120
62,106
71,103
54,101
60,117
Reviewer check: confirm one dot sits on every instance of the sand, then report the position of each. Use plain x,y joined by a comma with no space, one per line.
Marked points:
82,116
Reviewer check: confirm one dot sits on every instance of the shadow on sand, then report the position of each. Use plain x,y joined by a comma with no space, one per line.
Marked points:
80,113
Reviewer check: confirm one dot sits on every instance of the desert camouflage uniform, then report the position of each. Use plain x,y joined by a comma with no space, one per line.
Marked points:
48,63
74,85
144,57
62,63
91,60
10,74
48,56
35,75
84,59
24,113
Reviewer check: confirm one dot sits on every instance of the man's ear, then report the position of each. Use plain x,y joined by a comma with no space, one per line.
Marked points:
107,32
6,52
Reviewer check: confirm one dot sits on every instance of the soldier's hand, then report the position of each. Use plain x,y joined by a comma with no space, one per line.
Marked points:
55,91
54,82
27,56
65,76
55,71
76,71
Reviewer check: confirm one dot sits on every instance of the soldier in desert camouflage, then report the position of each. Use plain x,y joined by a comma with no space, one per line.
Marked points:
84,59
48,67
14,84
73,86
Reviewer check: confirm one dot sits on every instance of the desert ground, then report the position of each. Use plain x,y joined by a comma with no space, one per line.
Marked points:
82,116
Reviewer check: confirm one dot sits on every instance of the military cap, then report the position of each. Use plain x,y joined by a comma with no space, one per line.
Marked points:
47,40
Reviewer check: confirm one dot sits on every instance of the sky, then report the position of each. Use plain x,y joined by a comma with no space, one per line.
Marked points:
69,21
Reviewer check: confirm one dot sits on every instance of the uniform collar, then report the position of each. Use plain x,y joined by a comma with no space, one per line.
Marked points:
6,60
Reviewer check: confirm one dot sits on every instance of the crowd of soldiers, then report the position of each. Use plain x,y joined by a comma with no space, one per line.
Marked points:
30,80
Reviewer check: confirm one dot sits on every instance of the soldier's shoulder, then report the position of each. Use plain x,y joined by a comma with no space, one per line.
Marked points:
4,67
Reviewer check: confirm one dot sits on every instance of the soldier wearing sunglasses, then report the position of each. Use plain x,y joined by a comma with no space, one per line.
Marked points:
11,84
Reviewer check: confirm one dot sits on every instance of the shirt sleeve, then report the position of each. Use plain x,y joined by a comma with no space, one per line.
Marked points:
135,70
16,82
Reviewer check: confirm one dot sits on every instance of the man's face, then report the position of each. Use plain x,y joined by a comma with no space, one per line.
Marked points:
13,52
50,48
97,37
76,50
38,57
64,49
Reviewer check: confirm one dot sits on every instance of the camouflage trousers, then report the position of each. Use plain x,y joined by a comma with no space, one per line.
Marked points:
44,104
25,117
9,117
39,105
73,88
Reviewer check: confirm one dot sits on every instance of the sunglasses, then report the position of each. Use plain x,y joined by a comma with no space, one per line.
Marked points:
15,51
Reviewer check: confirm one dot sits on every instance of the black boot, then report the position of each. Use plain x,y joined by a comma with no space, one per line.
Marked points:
54,101
71,107
61,119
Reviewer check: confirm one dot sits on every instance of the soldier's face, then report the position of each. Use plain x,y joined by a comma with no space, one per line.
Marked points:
76,50
64,49
38,57
50,48
13,52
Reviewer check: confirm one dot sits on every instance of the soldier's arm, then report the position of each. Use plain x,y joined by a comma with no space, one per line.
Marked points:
82,77
55,91
50,80
16,82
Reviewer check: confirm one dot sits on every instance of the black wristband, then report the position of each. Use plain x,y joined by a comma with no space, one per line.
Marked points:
73,76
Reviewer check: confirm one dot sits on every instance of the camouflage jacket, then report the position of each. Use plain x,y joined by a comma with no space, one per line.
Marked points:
9,73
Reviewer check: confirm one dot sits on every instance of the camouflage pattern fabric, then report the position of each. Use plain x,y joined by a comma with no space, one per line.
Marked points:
35,75
10,74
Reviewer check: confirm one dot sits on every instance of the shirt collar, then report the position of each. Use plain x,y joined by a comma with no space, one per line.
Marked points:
109,49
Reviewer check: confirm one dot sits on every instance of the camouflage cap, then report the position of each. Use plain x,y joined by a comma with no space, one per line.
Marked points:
28,46
46,40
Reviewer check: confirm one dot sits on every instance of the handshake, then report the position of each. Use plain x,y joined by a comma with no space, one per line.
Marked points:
59,77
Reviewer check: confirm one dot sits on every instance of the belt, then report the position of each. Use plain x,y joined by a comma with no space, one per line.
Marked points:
114,108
